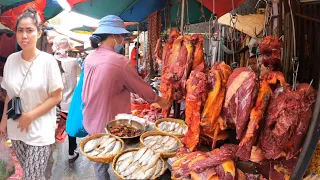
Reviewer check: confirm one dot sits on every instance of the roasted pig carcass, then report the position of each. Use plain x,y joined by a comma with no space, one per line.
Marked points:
287,121
197,40
195,99
258,113
270,50
180,65
239,100
211,122
166,87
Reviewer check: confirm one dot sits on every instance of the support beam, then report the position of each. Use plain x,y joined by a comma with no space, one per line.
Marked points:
182,16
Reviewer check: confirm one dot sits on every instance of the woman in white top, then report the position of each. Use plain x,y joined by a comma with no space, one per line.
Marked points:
36,74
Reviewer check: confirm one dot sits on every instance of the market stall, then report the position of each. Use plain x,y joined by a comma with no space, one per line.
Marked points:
240,121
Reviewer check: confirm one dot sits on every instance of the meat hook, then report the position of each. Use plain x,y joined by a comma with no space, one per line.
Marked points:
310,85
257,35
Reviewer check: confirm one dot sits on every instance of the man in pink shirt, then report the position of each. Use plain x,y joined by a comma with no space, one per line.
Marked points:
109,79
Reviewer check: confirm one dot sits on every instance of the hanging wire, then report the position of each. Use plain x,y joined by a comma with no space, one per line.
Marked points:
234,20
295,60
187,24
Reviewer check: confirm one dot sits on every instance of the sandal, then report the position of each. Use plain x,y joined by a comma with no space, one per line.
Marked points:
72,160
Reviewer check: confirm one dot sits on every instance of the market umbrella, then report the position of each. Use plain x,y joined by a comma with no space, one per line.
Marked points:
46,8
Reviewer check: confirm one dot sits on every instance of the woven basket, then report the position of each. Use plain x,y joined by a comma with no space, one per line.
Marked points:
181,122
106,159
157,133
129,150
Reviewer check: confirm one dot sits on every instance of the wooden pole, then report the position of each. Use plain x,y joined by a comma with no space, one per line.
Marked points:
138,48
182,16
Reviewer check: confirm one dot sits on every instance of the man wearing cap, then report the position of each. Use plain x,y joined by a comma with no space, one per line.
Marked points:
109,78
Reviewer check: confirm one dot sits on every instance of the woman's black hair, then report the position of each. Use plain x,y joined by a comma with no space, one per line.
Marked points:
32,13
96,39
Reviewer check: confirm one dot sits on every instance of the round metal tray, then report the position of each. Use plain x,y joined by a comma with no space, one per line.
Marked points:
134,124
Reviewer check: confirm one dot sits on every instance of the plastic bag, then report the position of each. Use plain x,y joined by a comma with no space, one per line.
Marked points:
6,162
74,125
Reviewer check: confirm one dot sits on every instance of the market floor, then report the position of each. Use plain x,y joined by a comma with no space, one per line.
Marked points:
82,169
60,169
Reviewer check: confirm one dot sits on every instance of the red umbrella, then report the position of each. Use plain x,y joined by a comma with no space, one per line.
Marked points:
221,6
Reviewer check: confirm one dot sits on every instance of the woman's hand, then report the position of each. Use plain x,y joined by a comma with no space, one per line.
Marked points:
24,122
3,129
163,103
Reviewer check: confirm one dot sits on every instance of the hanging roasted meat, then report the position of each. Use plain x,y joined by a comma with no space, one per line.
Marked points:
258,113
239,100
180,65
287,121
158,51
195,99
197,40
217,81
166,87
270,52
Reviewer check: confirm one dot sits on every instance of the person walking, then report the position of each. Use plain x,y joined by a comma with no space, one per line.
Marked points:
109,78
70,69
33,82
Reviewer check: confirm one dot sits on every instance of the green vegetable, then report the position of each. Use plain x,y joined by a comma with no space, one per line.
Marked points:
5,172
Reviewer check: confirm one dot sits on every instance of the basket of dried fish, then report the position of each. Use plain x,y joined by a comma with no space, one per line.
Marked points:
101,147
175,127
138,163
163,143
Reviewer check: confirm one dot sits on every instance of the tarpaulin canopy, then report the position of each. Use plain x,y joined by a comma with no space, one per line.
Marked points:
130,26
46,8
221,6
139,10
8,2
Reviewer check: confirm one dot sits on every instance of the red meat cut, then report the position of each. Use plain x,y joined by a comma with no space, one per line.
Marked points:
287,121
240,95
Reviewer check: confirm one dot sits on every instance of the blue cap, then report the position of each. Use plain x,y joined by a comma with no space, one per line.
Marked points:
111,24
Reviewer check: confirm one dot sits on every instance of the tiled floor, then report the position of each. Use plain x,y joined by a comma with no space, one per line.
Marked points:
82,169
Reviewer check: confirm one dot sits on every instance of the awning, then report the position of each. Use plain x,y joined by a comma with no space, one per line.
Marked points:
46,8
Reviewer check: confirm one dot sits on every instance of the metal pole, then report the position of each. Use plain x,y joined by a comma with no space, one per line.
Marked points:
182,16
137,55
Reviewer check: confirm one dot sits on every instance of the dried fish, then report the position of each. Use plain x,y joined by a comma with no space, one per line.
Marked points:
173,127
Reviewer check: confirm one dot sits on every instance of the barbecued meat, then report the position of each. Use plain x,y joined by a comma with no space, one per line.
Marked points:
227,170
180,65
166,87
218,164
258,113
217,80
158,51
287,121
217,157
270,50
197,40
195,98
239,100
